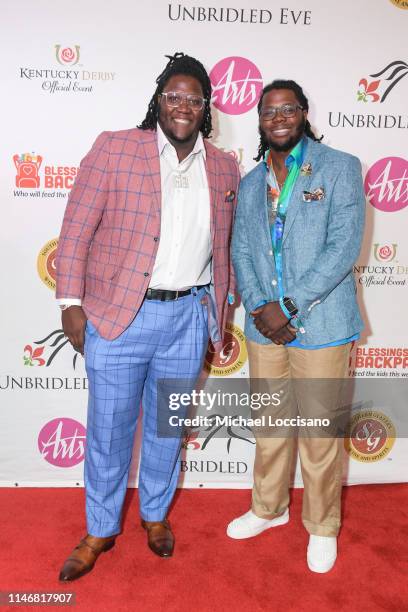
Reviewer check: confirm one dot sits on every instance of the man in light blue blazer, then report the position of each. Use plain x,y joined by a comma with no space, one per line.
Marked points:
297,234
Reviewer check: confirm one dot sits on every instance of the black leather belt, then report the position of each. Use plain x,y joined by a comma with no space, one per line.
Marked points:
165,295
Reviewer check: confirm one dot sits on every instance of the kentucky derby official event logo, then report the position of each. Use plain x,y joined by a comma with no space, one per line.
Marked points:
46,263
232,356
61,442
67,75
386,184
385,252
372,436
385,271
67,55
236,85
378,90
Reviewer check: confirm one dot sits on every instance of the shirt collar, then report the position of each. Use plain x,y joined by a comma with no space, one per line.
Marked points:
163,142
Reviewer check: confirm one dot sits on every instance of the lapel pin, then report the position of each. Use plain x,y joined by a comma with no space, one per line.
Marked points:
230,196
306,169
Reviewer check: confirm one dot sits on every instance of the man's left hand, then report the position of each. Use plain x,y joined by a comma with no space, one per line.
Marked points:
269,318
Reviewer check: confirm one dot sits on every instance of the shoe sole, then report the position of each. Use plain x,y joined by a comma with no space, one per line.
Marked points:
320,569
279,521
159,554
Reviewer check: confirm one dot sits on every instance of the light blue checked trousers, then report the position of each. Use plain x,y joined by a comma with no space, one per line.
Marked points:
166,340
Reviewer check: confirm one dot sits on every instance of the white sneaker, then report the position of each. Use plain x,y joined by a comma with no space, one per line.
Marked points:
321,553
249,525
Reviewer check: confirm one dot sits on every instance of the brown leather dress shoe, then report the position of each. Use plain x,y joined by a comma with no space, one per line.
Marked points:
160,537
84,556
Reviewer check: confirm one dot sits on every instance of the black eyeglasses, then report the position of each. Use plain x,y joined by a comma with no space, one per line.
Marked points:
175,98
286,110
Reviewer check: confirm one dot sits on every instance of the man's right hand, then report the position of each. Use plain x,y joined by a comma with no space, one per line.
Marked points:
73,323
284,335
269,318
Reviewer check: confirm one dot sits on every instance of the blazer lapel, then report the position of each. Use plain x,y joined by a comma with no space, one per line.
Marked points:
212,177
260,187
302,184
153,163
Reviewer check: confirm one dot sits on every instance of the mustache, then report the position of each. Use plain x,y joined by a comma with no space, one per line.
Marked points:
301,129
289,144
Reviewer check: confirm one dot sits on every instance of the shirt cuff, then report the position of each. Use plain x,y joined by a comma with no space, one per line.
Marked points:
260,304
69,302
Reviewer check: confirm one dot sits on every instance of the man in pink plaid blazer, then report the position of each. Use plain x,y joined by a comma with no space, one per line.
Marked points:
143,281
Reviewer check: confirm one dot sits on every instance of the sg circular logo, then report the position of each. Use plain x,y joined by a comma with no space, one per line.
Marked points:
46,263
236,85
61,442
231,357
371,436
386,184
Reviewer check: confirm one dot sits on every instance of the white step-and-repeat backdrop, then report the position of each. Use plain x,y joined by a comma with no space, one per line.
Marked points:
71,71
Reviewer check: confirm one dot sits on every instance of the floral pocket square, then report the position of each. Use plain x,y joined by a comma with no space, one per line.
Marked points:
230,196
314,196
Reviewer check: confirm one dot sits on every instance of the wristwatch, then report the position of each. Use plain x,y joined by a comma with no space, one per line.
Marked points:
290,306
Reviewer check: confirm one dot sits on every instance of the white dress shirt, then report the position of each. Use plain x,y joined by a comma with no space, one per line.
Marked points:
184,255
183,258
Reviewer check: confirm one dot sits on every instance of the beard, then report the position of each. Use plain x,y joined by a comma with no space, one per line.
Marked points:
288,145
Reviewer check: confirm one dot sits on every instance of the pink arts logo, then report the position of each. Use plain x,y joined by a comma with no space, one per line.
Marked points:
67,55
386,184
62,442
236,85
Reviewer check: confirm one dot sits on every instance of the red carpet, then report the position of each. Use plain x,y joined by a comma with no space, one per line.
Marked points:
209,571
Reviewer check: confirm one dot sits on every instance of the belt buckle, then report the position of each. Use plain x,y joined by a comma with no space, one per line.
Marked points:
177,294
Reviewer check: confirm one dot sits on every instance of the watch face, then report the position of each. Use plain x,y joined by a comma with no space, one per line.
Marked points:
290,305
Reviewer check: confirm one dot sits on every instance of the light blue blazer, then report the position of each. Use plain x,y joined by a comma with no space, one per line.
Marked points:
321,242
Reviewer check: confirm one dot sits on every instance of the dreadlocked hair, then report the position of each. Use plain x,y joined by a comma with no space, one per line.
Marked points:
301,98
179,63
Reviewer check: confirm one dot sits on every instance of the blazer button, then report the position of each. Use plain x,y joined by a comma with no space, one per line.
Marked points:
155,238
145,274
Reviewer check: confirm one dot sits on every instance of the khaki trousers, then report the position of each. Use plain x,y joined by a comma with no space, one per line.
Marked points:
320,457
